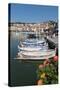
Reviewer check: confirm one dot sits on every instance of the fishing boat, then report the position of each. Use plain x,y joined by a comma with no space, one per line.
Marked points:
35,49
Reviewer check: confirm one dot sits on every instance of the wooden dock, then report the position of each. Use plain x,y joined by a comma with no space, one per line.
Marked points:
53,40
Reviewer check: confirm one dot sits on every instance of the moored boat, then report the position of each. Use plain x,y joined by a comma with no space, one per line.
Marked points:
35,49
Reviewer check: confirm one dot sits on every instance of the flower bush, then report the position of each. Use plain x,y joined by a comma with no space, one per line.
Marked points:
47,72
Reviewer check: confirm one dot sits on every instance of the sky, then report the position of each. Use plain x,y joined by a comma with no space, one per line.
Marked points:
32,13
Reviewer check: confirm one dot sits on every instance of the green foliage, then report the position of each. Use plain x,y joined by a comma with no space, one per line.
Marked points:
49,73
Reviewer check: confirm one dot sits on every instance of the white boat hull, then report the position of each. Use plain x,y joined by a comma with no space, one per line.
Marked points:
37,55
31,48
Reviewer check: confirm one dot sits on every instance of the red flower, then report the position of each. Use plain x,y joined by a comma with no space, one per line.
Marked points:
55,58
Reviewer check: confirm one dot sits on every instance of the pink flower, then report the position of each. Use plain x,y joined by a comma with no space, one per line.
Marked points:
41,66
40,82
55,58
46,62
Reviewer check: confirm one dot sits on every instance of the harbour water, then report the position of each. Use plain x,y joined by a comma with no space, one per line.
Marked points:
21,73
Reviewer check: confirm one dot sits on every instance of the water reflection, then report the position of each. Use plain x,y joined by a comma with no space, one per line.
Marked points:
20,73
